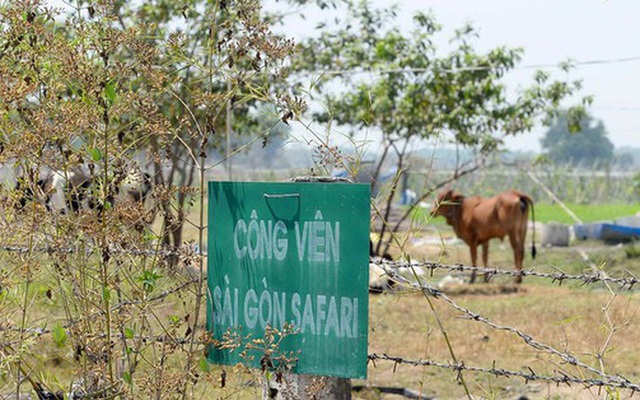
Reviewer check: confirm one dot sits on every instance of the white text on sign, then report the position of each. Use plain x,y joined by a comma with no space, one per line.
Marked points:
312,314
259,239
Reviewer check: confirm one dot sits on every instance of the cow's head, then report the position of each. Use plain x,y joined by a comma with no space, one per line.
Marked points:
447,203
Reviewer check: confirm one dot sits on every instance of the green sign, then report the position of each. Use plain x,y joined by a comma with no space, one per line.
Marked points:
288,276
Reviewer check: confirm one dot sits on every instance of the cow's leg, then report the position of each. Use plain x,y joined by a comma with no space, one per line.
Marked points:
473,247
485,260
517,244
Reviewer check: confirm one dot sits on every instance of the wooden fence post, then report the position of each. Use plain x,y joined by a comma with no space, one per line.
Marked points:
307,387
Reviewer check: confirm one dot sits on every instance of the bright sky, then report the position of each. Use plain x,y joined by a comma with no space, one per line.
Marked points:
602,36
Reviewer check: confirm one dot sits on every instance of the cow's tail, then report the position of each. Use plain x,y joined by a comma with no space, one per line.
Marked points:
526,201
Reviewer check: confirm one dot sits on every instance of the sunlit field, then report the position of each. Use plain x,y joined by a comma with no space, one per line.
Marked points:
545,212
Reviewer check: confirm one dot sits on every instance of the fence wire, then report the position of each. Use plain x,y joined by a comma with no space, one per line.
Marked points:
616,381
558,277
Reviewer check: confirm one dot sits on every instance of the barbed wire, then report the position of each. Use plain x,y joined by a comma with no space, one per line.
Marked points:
157,298
408,70
164,338
558,277
164,294
90,249
564,65
530,376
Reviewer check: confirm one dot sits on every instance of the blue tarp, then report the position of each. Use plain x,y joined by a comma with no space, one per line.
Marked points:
608,232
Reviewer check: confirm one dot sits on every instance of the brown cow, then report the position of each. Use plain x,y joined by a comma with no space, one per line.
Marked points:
476,220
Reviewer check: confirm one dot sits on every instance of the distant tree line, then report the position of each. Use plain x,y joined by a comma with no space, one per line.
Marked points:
587,145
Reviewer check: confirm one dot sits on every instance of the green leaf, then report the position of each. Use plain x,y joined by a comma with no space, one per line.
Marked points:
126,376
149,279
59,335
110,92
129,333
204,366
96,154
150,235
106,294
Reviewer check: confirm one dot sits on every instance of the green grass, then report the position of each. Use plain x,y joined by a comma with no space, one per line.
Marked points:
545,213
586,212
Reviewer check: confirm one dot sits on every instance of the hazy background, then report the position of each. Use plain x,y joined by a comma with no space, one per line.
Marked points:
600,37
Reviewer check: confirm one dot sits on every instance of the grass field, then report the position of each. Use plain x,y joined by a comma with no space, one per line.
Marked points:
586,212
595,326
545,212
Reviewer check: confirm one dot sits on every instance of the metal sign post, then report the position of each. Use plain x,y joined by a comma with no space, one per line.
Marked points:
288,276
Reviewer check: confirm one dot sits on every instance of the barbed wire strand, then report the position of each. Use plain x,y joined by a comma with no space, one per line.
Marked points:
157,298
558,277
529,376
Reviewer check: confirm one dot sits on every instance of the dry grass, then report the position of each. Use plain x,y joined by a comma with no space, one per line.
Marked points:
583,321
402,324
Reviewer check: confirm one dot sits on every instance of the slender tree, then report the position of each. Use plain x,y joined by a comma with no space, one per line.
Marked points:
394,81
